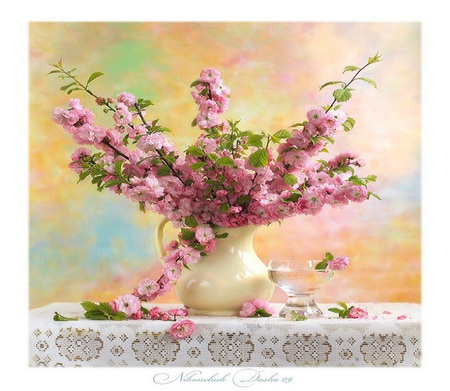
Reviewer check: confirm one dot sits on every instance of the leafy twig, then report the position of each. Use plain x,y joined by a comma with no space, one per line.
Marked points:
343,94
60,318
342,312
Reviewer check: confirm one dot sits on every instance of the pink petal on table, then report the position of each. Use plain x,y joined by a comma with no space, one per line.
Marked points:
386,312
401,317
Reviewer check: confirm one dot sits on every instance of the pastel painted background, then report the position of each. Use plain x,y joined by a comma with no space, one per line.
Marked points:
86,245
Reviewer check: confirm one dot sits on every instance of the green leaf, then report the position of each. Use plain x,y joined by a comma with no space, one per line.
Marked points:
187,234
329,256
261,312
93,77
118,167
255,140
105,308
224,208
225,161
357,180
222,235
376,58
193,150
290,179
349,124
297,317
143,309
331,83
89,306
64,88
54,71
110,182
95,315
143,103
213,156
343,305
74,89
343,94
328,138
294,197
190,221
61,318
119,315
370,81
259,158
351,68
197,165
163,170
243,199
322,265
282,134
197,82
296,125
369,194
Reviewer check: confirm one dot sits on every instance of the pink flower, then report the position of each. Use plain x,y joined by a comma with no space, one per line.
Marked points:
165,316
296,158
137,130
248,309
182,329
64,117
345,159
152,142
77,157
204,234
256,307
113,306
88,134
315,115
208,116
339,263
172,269
189,255
357,313
137,315
146,289
129,304
210,75
178,312
356,193
122,116
126,98
155,313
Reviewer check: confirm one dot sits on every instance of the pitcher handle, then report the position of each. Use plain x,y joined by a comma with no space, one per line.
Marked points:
159,236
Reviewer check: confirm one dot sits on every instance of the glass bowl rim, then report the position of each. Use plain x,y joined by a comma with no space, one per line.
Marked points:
294,264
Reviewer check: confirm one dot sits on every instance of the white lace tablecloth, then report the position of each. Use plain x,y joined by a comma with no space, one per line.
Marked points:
381,340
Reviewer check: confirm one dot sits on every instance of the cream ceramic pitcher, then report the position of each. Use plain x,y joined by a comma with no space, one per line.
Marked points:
223,280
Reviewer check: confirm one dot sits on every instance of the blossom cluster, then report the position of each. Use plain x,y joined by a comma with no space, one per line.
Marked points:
255,308
333,263
339,263
227,178
352,312
212,96
131,306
